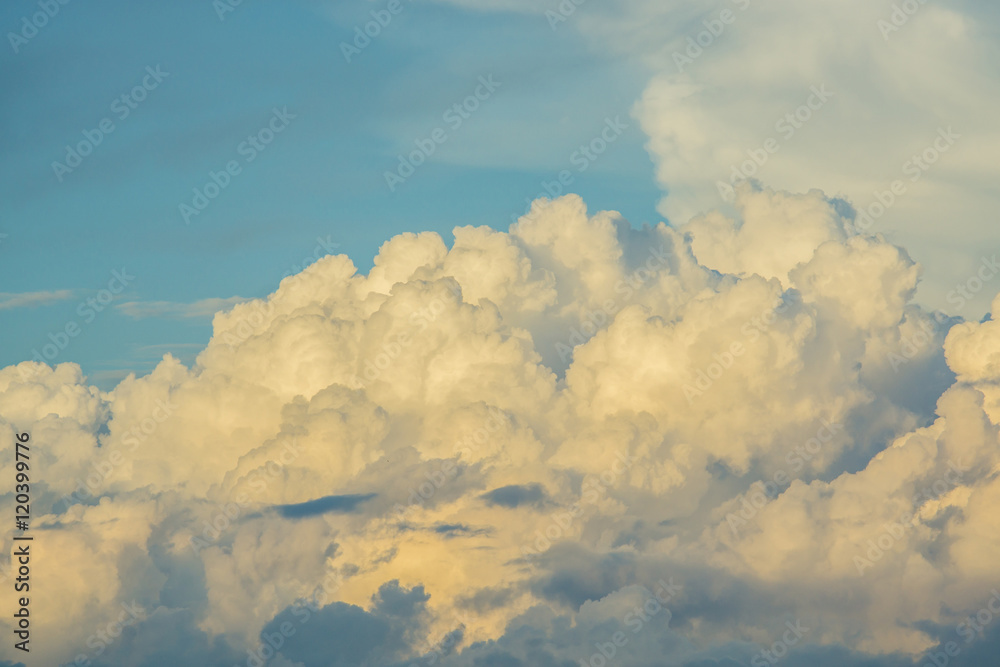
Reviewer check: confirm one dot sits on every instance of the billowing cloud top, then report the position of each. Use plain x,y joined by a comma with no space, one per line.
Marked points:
690,445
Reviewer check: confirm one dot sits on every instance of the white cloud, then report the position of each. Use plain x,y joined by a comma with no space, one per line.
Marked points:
700,359
713,106
31,299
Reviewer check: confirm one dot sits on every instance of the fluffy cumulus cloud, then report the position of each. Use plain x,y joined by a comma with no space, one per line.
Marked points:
848,96
852,97
723,443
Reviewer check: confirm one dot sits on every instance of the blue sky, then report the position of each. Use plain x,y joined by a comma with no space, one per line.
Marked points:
498,449
322,177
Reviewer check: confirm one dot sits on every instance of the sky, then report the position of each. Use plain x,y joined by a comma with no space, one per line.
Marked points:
489,333
323,178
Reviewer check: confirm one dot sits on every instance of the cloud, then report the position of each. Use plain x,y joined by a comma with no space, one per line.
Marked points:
164,638
342,635
204,309
851,97
737,110
9,300
528,432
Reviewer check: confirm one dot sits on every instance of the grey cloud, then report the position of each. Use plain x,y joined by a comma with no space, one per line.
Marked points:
516,495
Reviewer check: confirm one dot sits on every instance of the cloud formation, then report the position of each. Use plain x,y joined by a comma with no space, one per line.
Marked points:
880,102
534,447
32,299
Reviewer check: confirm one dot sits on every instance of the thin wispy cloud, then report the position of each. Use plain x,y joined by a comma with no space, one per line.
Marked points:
10,300
203,309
